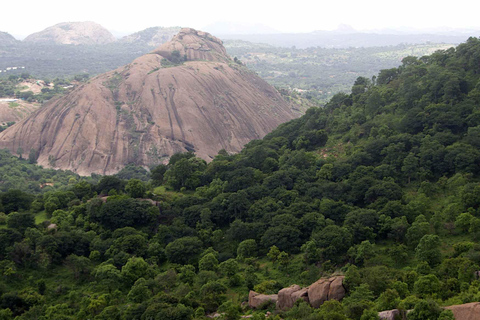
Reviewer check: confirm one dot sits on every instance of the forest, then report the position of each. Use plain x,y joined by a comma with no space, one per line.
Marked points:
381,185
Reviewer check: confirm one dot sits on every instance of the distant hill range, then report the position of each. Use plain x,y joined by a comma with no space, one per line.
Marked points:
7,39
88,33
187,95
336,39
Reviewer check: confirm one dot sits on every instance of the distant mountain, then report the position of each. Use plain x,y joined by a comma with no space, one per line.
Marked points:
73,33
7,39
187,95
443,31
225,27
343,39
152,37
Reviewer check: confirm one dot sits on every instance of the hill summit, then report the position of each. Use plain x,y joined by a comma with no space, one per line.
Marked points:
7,39
187,95
152,37
73,33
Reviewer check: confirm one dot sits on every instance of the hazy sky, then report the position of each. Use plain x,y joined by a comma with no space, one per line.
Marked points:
21,18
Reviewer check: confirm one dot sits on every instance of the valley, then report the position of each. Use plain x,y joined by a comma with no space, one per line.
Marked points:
181,185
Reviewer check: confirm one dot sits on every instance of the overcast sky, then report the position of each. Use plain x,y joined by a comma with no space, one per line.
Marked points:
21,18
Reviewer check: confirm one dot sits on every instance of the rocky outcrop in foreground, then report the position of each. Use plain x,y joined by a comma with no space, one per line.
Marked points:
316,294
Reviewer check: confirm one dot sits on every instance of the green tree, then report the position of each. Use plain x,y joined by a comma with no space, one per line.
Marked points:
184,250
80,266
427,285
418,229
134,269
247,249
334,240
139,292
135,188
208,262
425,310
20,221
15,200
370,314
463,221
429,250
446,315
108,275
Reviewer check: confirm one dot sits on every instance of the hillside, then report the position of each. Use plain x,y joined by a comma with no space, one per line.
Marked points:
379,189
76,33
6,39
151,37
186,95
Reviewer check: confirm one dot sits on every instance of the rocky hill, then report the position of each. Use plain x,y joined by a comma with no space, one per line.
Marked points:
152,37
73,33
7,39
187,95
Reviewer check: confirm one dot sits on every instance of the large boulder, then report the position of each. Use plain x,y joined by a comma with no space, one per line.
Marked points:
468,311
288,296
326,289
256,300
336,290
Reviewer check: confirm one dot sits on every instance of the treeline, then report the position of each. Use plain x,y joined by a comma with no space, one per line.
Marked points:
381,185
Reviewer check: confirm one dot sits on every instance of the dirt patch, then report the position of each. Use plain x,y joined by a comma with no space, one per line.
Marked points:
35,86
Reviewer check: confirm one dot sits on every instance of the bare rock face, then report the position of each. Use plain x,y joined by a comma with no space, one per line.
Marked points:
152,37
326,289
336,290
73,33
195,45
390,314
256,300
12,110
468,311
288,296
154,107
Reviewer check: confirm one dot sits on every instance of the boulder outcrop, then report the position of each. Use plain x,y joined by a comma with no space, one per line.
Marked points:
288,296
319,292
187,95
326,289
257,300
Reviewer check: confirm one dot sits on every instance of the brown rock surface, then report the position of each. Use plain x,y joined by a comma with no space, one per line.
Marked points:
15,110
336,291
288,296
148,110
256,300
390,314
73,33
468,311
326,289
